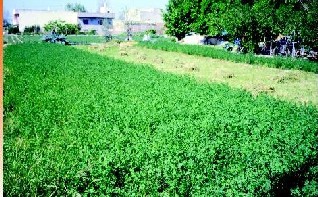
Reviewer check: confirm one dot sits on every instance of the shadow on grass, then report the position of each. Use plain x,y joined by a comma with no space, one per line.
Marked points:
284,183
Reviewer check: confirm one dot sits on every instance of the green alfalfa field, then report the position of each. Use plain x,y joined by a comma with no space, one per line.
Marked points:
83,124
287,83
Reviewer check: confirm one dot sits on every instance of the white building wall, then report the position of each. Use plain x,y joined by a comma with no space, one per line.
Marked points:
133,15
104,9
151,15
118,27
142,20
25,18
87,28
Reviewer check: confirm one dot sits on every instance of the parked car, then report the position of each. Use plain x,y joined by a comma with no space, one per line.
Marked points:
212,40
193,38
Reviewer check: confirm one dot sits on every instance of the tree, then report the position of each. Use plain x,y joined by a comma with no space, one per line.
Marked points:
106,29
180,17
301,20
251,20
128,23
75,7
61,27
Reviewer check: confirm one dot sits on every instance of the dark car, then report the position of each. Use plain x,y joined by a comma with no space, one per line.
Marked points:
55,38
214,40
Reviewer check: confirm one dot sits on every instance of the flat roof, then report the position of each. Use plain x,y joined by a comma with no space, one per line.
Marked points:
95,15
79,14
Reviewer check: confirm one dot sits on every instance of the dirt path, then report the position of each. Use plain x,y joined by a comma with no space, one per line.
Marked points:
290,85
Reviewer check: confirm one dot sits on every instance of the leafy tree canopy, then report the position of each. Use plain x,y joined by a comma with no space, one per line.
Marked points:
76,7
251,20
61,27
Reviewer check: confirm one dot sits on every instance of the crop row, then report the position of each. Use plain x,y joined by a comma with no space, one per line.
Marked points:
276,62
79,123
85,39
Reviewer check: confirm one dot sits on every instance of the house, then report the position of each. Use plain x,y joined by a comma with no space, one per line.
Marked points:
95,22
88,21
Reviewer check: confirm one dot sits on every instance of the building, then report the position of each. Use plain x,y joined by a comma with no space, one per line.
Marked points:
151,15
26,18
118,27
95,21
88,21
141,20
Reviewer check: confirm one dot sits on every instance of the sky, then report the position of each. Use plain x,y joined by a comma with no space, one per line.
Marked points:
90,5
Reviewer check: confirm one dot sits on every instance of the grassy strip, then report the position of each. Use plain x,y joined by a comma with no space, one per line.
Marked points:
79,123
86,39
15,39
276,62
31,38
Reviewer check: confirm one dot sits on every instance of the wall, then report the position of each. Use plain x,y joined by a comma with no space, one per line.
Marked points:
142,20
36,17
142,27
119,27
151,15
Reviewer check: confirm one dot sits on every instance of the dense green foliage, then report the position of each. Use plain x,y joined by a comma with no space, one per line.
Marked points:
276,62
61,27
79,123
34,29
180,16
13,29
151,31
252,20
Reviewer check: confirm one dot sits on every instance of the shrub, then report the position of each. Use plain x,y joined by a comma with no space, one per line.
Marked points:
72,28
34,29
61,27
151,31
92,32
13,29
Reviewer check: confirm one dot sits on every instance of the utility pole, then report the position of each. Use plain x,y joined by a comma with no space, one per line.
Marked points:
128,24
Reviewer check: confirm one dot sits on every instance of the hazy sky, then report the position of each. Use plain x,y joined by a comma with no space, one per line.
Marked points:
90,5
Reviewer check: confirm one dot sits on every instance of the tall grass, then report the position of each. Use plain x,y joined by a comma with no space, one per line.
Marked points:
206,51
